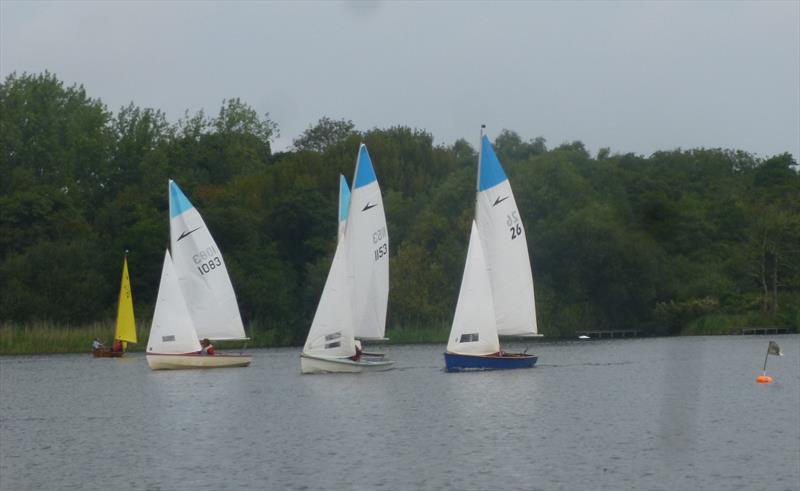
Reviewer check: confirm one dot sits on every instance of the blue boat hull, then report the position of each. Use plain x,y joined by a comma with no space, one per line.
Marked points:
457,363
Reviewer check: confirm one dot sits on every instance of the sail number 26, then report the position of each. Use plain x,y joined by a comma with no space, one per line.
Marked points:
207,260
514,225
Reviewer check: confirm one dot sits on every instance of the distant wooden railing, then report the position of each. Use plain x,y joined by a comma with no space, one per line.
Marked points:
618,333
764,330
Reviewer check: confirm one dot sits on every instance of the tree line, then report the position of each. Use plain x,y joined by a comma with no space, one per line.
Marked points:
620,241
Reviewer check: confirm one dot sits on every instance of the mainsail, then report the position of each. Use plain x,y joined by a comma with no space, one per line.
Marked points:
126,324
367,251
504,244
201,272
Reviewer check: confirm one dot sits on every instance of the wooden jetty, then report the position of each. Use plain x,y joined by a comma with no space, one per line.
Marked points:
615,333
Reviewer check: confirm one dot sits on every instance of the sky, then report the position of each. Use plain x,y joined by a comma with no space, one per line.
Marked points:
632,76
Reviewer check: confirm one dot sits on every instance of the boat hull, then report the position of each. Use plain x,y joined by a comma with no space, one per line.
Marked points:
458,363
163,361
313,364
101,353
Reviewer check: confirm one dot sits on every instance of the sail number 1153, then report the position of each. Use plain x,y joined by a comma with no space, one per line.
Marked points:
383,249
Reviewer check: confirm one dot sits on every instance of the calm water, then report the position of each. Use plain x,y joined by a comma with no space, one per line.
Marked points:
669,413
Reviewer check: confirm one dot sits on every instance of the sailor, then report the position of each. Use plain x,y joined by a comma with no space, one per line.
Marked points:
208,348
97,345
357,356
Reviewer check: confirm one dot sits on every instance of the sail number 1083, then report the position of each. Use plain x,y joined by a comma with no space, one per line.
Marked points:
207,260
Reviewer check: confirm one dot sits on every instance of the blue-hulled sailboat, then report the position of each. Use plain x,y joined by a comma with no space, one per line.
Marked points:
496,296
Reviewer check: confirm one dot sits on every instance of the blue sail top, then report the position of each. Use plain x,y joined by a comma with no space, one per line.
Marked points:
344,198
491,171
178,202
365,174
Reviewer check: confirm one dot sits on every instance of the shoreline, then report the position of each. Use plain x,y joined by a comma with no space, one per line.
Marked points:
47,339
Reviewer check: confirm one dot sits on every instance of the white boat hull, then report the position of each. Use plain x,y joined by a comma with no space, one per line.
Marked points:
312,364
163,361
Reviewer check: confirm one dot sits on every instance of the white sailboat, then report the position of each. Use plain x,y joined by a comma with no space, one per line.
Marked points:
173,341
344,307
496,296
204,289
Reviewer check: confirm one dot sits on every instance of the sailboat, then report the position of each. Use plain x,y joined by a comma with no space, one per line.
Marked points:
354,299
125,331
201,300
496,295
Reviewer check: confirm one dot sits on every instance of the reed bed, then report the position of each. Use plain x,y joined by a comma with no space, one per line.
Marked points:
49,337
437,332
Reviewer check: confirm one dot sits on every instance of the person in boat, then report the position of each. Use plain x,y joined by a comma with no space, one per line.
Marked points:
208,348
117,346
97,345
357,356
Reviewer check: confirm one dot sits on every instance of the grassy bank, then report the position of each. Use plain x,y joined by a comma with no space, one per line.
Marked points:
434,333
44,337
726,324
47,337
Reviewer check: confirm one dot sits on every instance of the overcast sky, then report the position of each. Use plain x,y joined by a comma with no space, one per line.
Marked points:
632,76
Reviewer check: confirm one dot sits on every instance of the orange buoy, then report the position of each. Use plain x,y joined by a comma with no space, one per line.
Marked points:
764,379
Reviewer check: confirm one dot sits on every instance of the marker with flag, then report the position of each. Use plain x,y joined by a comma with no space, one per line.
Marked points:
772,349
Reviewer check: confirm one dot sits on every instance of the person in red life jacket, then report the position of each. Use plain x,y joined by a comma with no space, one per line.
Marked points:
208,348
117,347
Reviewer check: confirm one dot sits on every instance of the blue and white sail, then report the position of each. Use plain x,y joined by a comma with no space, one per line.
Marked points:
474,329
344,204
201,272
367,251
505,247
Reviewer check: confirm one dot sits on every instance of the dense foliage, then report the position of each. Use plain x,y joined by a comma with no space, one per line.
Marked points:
623,241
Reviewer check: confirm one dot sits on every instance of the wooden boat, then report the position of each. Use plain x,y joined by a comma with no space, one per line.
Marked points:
125,329
496,295
107,353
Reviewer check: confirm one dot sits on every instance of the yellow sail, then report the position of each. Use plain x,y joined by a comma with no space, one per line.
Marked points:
126,325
